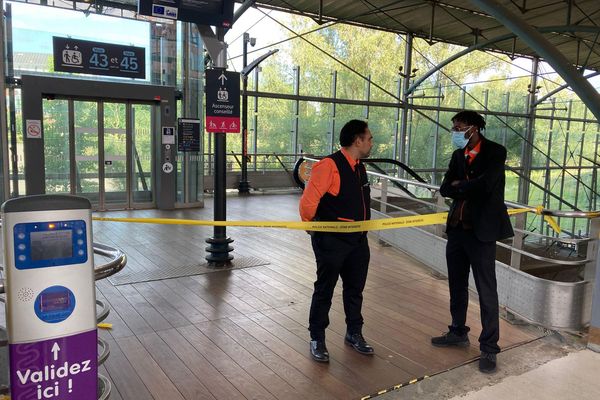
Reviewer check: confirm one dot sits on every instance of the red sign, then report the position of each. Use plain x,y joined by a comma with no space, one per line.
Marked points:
222,124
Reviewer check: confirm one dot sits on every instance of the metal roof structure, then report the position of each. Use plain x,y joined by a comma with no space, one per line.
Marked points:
572,26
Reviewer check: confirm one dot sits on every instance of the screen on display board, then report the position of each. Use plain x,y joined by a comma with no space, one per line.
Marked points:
48,245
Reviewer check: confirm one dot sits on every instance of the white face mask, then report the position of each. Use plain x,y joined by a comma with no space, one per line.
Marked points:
458,138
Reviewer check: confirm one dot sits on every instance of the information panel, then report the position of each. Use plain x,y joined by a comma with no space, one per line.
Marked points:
202,12
97,58
188,134
222,101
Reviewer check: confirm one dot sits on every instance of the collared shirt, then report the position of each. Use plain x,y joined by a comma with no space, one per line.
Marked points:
324,178
471,154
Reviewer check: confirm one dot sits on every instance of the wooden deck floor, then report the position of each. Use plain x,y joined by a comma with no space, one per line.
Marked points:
242,334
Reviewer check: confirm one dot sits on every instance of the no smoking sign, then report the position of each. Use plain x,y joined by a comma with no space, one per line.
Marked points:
33,127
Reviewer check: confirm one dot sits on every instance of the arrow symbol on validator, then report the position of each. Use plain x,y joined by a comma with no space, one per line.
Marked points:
55,350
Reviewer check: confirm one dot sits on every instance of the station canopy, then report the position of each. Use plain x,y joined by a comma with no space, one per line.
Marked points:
460,22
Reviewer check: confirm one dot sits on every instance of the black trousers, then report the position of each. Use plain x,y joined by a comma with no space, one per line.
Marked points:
338,255
464,250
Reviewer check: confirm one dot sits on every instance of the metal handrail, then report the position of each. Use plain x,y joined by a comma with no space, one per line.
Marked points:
103,356
545,259
106,385
104,311
552,213
561,239
118,262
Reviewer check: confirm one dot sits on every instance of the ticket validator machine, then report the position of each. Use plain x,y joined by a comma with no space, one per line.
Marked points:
51,300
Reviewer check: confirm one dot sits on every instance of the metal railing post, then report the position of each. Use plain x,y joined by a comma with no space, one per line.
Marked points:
384,198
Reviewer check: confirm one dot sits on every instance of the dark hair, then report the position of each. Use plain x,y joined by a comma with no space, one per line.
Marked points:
470,118
351,130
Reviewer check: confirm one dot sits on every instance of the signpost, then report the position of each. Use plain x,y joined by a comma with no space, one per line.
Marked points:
222,115
97,58
222,101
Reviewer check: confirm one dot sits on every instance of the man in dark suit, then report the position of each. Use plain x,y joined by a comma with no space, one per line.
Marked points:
476,220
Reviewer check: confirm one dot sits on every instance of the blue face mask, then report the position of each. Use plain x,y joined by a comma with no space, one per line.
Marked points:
459,140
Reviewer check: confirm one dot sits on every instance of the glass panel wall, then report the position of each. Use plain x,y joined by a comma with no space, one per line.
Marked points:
57,159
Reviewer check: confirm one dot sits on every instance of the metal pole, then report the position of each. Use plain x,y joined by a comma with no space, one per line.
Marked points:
576,200
219,247
244,185
546,201
255,117
595,170
521,220
506,119
367,97
527,145
333,110
437,135
187,97
399,112
14,157
402,150
565,154
296,116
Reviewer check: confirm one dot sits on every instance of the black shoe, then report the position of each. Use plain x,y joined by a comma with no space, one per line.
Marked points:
487,362
359,343
318,351
450,339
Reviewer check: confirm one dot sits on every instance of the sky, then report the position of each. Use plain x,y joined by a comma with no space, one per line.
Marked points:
55,21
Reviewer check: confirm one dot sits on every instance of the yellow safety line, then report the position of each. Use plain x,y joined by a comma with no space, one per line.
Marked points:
320,226
326,226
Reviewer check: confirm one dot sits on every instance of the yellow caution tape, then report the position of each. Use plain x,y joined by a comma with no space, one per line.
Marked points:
321,226
105,325
548,218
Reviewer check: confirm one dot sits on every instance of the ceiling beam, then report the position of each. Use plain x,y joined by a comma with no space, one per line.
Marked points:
538,43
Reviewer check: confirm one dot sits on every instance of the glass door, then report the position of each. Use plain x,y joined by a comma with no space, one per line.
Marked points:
115,156
101,150
142,161
57,156
86,141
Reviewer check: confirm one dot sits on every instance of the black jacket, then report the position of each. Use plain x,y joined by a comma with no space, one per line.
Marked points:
483,191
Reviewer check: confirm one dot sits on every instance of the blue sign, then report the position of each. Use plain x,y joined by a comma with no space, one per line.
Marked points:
97,58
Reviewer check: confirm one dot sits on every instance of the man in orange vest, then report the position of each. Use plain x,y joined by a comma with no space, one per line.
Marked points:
338,190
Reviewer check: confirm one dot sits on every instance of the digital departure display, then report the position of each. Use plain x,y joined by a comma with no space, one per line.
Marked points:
47,245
